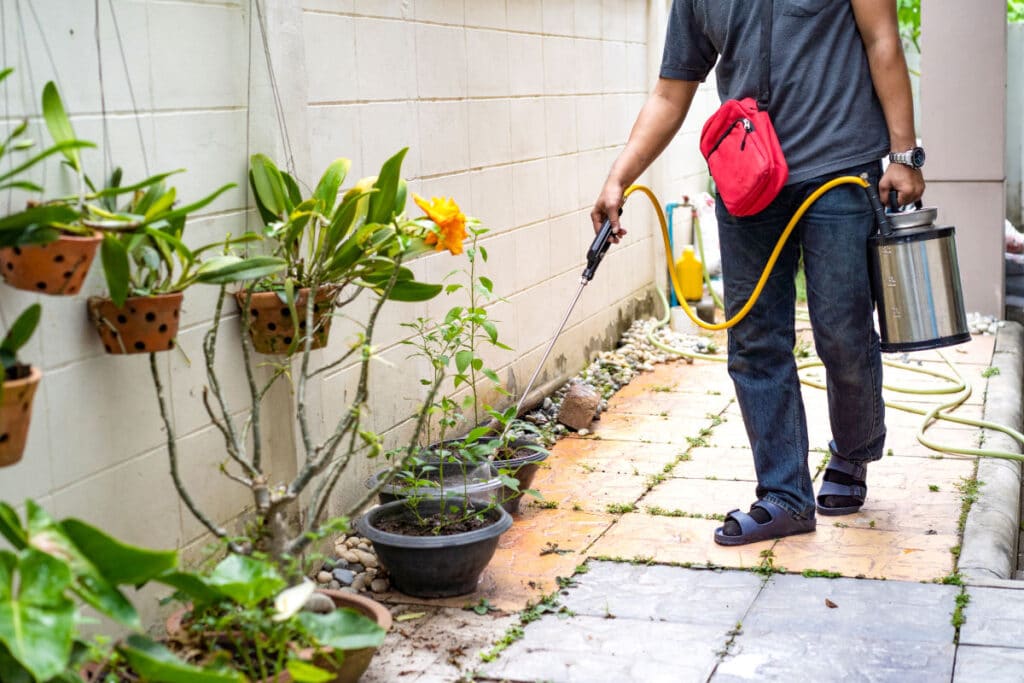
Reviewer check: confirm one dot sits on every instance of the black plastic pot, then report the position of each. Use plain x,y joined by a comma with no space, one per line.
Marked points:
479,483
433,566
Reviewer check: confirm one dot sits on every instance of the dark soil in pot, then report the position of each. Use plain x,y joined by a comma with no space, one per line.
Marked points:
434,566
354,663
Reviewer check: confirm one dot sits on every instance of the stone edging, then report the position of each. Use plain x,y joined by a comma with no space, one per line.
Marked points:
989,551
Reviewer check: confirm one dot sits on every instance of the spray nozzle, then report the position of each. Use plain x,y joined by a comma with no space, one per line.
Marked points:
598,248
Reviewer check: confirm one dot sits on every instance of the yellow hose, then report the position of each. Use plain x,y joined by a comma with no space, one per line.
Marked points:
842,180
961,388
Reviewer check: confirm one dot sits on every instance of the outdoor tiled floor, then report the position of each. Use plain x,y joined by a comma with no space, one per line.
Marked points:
673,440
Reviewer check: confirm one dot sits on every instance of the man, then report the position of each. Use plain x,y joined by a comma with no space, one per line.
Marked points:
840,101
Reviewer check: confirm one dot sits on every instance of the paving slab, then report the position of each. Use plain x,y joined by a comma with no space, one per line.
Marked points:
719,463
812,657
661,593
619,457
674,540
701,496
993,617
873,610
870,553
599,650
976,664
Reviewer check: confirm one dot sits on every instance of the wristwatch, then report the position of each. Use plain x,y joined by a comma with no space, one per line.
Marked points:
913,157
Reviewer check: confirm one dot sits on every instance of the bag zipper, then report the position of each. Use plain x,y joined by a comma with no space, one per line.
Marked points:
748,128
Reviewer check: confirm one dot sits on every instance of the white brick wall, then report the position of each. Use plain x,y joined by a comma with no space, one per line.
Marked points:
514,107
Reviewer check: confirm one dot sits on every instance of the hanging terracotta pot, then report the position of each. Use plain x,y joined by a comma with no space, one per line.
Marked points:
270,322
56,268
16,413
143,325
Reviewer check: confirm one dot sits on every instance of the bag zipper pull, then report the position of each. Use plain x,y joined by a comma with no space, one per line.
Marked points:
748,128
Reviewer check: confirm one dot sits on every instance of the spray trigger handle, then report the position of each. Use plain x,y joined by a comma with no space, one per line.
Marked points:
598,248
882,221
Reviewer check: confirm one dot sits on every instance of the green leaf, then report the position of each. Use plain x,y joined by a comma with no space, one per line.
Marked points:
304,672
486,284
45,215
327,189
58,123
58,148
413,291
116,268
382,204
119,563
463,359
226,269
268,186
154,662
22,329
343,629
193,586
246,580
194,206
162,204
491,330
11,528
36,618
491,375
21,185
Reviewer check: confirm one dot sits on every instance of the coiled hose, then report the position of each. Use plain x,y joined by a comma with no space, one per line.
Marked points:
957,386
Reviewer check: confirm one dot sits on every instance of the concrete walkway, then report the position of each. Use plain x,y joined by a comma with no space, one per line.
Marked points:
624,583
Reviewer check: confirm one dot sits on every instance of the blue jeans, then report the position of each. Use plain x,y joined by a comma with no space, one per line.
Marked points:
833,238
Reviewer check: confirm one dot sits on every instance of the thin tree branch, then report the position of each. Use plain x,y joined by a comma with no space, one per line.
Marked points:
172,455
229,447
210,353
255,396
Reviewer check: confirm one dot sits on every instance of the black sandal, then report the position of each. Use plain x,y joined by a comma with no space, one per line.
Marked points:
843,479
780,523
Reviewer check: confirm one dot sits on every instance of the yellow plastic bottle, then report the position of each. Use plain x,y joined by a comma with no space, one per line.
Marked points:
690,272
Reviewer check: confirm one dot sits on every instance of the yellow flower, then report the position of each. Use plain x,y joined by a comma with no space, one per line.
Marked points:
451,223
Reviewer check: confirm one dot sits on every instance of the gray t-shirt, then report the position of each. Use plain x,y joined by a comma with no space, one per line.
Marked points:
823,103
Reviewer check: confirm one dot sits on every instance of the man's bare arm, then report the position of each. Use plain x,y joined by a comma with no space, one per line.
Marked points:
656,125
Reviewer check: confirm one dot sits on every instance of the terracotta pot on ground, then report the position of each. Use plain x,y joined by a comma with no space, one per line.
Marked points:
57,268
355,661
144,324
15,415
270,321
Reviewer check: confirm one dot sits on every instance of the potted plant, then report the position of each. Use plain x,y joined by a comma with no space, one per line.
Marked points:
31,226
148,266
56,255
376,266
244,613
334,248
54,569
443,513
19,387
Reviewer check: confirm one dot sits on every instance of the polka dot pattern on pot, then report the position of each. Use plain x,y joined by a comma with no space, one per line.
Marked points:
15,415
56,268
144,324
271,325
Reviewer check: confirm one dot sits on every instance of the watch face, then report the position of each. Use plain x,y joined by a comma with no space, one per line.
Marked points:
917,157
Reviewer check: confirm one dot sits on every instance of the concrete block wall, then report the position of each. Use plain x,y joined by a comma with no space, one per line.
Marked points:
516,108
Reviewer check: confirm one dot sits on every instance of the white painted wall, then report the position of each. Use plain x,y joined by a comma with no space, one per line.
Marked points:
516,108
1014,122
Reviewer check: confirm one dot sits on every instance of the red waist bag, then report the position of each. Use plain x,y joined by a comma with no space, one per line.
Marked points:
744,156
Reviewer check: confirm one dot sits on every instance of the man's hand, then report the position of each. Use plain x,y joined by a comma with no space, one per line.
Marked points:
907,181
608,206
